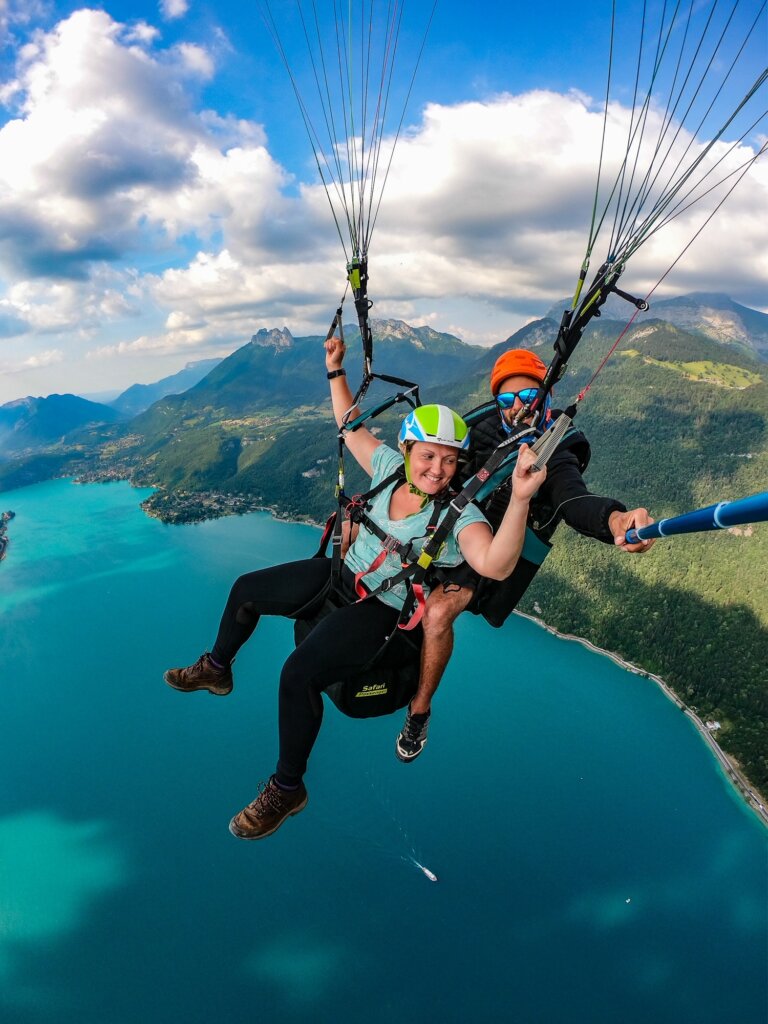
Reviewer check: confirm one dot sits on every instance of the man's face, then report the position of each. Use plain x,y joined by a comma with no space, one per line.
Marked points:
511,386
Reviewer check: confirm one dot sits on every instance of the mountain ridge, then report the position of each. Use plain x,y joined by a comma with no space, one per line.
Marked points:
31,422
138,397
713,314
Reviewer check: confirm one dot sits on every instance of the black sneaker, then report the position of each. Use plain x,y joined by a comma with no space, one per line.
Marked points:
410,743
203,675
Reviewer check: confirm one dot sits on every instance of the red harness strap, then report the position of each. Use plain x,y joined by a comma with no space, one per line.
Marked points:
421,603
389,545
327,531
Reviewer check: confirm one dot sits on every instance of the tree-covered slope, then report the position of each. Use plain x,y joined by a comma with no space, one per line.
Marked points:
695,609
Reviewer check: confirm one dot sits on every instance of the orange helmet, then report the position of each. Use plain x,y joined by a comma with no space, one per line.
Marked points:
516,362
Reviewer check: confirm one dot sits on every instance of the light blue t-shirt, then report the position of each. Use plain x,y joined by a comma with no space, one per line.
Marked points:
367,546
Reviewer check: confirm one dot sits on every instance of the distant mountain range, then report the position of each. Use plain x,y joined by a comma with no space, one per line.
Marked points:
139,397
31,423
713,315
276,374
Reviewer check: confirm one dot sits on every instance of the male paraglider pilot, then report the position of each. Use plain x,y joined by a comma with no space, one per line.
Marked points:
515,379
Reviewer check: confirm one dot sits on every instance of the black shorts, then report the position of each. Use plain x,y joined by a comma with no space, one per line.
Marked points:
495,600
461,575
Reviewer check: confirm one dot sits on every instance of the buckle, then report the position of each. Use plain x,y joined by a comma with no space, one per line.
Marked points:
354,508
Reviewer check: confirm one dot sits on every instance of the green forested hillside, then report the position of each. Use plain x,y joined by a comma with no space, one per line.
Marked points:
695,609
33,422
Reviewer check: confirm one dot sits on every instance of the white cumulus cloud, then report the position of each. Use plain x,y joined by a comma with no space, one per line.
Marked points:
104,158
172,9
486,201
197,59
133,221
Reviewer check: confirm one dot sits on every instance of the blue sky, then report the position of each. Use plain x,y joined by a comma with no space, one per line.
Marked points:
159,201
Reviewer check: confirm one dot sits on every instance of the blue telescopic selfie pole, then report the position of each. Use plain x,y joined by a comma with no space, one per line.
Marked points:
753,509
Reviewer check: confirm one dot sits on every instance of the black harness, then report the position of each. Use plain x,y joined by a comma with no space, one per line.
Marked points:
356,509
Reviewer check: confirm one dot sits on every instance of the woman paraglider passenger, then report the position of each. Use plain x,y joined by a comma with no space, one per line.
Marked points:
343,642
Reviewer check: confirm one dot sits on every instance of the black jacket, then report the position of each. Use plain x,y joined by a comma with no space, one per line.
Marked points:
563,496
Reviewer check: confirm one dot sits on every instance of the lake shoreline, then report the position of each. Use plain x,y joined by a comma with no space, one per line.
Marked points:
731,769
5,518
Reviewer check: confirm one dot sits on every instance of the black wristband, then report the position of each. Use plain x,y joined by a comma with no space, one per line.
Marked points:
336,373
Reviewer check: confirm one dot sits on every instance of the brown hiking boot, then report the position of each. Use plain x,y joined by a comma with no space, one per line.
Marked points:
203,675
268,811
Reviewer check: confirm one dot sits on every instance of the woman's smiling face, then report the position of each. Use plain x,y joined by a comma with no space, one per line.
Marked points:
432,466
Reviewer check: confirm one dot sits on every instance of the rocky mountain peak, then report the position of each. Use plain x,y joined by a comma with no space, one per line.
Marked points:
266,338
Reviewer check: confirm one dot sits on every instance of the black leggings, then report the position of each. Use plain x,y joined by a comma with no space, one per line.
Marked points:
339,646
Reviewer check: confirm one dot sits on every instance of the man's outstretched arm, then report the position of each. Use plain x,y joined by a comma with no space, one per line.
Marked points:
591,515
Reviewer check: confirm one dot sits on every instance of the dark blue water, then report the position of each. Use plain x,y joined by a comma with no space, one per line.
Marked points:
594,864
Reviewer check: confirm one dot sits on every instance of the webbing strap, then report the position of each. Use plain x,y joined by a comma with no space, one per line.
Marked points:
336,326
411,396
572,326
360,590
391,545
417,590
415,602
327,533
345,503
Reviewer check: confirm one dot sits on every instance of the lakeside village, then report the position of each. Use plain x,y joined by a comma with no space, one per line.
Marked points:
5,518
196,506
175,507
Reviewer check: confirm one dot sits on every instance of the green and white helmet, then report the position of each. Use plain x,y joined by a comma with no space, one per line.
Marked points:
435,423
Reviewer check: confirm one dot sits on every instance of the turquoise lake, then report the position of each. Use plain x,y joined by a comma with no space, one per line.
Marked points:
594,864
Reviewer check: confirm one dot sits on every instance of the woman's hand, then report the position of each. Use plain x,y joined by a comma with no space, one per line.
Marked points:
525,480
335,350
496,555
360,443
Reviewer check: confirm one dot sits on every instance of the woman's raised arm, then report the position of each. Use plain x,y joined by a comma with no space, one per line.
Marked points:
361,443
496,555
